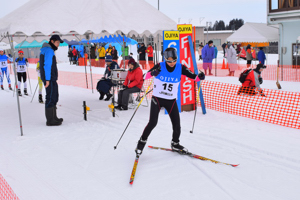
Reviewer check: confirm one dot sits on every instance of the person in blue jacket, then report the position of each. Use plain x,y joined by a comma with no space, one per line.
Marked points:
4,69
216,51
208,54
49,75
261,56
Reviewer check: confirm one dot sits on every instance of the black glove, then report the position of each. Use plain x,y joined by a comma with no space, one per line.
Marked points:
124,87
201,75
260,80
155,72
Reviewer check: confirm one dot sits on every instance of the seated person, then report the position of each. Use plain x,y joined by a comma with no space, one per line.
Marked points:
253,81
105,84
133,83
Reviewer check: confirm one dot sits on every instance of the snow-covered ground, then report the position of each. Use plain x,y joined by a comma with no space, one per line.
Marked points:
77,160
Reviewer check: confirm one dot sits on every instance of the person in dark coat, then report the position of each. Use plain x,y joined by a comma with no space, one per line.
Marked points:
114,53
105,84
133,83
93,51
49,75
224,46
70,55
142,52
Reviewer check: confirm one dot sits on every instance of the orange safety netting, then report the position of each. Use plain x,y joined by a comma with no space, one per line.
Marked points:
277,107
6,193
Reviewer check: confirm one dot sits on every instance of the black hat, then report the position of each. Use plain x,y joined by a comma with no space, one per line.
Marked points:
55,38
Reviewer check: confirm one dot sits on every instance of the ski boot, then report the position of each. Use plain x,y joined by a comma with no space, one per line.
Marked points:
9,86
178,148
101,95
108,96
2,88
140,146
25,91
19,92
41,99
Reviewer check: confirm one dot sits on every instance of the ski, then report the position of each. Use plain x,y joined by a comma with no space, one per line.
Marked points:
195,156
134,169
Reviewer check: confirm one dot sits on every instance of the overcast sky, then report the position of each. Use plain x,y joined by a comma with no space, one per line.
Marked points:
186,10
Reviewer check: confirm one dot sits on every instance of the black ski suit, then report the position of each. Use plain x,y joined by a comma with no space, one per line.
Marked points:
169,105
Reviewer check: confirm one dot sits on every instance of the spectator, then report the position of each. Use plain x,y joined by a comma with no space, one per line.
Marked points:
101,52
200,51
150,52
231,59
142,52
40,82
93,51
249,57
133,83
261,56
108,50
208,54
105,84
216,51
114,53
48,70
238,48
224,47
70,55
252,82
74,55
125,51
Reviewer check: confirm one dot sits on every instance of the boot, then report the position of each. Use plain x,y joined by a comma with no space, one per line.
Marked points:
9,86
41,99
179,148
118,107
25,91
140,146
55,116
50,117
210,72
2,88
205,71
101,95
108,96
19,92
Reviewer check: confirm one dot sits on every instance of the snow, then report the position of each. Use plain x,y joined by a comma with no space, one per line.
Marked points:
77,160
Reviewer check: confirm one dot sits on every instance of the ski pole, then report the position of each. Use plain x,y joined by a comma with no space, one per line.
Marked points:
134,113
34,92
29,80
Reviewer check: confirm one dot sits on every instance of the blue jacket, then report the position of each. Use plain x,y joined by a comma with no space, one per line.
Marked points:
216,52
208,54
48,67
261,56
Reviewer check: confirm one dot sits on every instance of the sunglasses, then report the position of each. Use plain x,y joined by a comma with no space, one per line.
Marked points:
21,53
171,61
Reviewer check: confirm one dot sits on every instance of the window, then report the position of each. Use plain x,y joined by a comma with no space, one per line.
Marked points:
217,42
283,5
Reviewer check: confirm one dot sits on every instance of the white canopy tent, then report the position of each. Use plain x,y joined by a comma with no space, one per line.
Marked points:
255,33
39,19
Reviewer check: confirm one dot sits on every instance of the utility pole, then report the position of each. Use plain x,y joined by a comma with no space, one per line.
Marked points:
207,24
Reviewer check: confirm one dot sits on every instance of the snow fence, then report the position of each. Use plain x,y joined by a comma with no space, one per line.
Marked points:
6,193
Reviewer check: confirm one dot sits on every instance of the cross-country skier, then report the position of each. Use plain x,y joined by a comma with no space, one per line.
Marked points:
167,77
22,65
4,69
40,82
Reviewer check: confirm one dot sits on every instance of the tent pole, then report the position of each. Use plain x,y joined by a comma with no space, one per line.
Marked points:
91,66
16,85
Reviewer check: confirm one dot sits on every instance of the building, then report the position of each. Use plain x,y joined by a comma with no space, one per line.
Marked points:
286,14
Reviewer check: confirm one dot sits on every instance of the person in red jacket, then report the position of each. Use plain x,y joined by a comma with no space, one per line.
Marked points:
253,81
74,55
149,51
133,83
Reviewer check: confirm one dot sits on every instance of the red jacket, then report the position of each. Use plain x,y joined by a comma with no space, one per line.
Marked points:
250,80
150,51
134,78
74,52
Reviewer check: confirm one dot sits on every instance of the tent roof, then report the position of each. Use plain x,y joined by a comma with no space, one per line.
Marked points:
40,19
255,32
